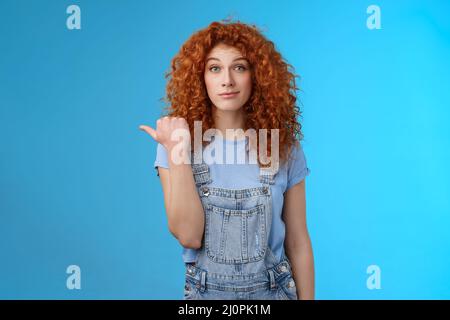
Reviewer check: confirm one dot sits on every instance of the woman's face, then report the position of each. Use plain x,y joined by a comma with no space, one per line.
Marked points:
227,71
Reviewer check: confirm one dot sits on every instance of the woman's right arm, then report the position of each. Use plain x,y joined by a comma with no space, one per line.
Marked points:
184,209
185,215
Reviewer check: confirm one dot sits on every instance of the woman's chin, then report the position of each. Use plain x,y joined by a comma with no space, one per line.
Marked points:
228,107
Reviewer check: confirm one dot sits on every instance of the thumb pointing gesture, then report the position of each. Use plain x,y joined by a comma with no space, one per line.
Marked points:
150,131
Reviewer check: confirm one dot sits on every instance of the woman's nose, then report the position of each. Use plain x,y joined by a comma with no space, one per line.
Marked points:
227,80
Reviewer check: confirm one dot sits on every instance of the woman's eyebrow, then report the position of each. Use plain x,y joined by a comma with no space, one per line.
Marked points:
239,58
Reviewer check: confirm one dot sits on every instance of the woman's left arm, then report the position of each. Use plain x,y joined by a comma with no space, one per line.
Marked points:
297,243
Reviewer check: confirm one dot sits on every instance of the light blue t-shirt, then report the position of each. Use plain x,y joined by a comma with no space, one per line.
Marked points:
240,175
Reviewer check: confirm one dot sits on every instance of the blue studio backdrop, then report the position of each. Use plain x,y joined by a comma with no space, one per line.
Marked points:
80,196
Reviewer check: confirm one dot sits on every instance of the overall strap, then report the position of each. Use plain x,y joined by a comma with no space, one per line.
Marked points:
201,173
267,176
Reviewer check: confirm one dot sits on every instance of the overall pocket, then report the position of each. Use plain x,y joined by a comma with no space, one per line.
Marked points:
287,288
235,236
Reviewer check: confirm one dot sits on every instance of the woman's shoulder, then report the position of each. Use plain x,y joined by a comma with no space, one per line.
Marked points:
297,166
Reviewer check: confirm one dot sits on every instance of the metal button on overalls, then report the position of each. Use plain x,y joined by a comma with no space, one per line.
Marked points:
291,284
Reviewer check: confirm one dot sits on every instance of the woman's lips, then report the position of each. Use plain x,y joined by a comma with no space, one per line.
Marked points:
229,95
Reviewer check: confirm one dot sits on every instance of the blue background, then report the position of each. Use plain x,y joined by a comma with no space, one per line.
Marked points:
77,181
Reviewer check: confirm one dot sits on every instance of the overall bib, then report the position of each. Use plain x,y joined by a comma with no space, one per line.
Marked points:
235,260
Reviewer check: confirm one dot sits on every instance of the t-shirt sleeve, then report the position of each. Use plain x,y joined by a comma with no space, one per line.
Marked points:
298,168
161,158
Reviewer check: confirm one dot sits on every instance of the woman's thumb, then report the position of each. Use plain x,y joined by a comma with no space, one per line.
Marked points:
150,131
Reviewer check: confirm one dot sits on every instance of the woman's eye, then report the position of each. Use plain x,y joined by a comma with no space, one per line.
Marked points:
238,68
241,68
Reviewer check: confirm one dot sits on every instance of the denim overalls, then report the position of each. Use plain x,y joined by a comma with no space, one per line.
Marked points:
235,261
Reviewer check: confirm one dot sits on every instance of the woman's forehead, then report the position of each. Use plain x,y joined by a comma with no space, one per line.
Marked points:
224,50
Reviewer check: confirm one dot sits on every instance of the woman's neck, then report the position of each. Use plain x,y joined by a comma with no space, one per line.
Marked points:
224,120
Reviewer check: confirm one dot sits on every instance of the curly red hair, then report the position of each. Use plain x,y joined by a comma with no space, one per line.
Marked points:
272,104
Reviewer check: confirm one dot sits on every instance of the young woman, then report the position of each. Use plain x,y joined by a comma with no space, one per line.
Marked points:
242,225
